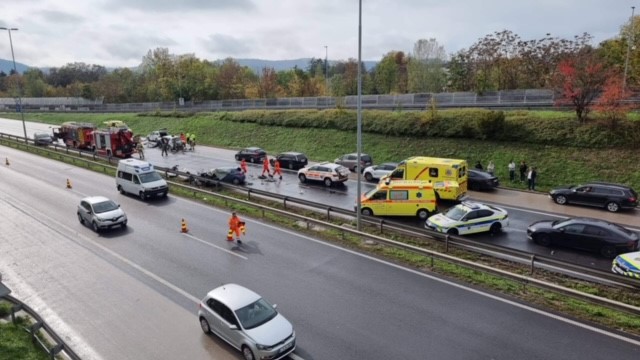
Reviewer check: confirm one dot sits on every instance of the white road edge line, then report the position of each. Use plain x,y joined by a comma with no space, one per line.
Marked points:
216,246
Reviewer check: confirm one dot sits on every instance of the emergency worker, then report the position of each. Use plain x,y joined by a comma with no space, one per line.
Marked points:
265,166
234,226
140,150
243,166
192,141
276,168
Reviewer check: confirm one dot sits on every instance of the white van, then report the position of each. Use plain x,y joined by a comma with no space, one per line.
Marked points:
139,178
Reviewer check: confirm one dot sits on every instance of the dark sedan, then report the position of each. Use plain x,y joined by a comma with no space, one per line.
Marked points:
251,154
585,234
291,160
231,175
482,180
612,197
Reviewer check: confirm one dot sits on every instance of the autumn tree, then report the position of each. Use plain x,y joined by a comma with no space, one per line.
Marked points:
579,81
426,67
611,102
268,83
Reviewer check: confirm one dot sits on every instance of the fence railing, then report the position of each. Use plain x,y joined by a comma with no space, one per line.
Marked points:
39,329
534,261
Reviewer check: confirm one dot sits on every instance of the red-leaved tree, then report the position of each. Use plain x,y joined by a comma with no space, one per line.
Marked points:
611,102
579,80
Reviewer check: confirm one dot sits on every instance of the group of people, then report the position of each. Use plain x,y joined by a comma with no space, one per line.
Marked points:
527,173
277,170
188,139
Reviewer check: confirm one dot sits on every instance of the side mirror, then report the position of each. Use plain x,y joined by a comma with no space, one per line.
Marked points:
233,327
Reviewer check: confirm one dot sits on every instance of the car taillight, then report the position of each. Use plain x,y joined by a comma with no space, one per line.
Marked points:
632,199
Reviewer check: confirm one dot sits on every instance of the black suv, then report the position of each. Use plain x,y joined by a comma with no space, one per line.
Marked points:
251,154
613,197
291,160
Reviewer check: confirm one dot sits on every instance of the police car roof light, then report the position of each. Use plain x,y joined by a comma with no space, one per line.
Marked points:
471,205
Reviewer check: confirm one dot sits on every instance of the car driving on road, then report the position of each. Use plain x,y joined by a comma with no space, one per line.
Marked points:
597,235
612,197
469,218
101,213
247,322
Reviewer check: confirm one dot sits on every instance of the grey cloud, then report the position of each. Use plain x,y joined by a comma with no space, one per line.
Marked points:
59,17
179,5
134,47
226,45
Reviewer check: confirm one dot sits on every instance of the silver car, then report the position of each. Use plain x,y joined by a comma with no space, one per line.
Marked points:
247,322
101,213
377,172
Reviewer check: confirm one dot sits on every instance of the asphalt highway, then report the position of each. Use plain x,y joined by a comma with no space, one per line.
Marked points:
133,294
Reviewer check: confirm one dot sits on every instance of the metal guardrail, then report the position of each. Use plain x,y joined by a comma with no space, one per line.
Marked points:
59,349
534,260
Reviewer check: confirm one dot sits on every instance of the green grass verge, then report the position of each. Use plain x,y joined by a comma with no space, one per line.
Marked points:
557,165
511,288
15,342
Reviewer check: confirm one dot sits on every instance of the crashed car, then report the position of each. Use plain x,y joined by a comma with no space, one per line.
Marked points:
228,174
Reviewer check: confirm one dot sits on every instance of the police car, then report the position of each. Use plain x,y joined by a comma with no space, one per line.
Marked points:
469,218
627,264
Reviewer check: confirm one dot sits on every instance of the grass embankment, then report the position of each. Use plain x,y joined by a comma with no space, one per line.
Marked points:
556,164
539,297
15,342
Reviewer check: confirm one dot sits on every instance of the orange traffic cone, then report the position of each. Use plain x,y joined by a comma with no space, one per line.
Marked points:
230,235
6,161
183,227
68,184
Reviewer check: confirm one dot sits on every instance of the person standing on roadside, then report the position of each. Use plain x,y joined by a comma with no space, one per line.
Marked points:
140,150
531,177
276,168
234,226
523,171
512,170
192,141
165,147
265,166
491,167
243,166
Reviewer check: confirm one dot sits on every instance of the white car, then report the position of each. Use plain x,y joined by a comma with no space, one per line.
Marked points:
326,172
377,172
101,213
469,218
247,322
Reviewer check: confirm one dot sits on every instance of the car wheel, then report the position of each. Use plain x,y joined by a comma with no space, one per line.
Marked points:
613,206
452,232
120,189
495,228
291,166
95,227
141,195
302,178
328,182
367,212
368,176
543,239
247,353
253,160
560,199
237,159
236,181
474,187
204,325
80,219
608,251
423,214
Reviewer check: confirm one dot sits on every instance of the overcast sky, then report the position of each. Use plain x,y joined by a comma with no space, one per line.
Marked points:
118,33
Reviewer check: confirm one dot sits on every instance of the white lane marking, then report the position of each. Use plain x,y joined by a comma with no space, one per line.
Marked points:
216,246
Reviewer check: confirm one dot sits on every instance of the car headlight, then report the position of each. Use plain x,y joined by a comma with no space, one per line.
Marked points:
263,347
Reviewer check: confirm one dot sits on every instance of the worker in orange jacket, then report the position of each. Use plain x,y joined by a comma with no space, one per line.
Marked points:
234,226
276,168
243,166
265,166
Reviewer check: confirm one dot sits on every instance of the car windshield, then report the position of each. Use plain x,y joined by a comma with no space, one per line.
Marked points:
561,223
149,177
256,314
104,206
455,213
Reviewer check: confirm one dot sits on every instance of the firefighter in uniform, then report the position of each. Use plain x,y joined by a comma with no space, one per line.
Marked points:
276,168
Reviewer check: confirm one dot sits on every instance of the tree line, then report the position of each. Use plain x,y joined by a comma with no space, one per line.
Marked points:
497,61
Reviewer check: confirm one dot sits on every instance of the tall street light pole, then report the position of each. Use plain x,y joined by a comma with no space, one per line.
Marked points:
15,70
326,69
629,41
359,131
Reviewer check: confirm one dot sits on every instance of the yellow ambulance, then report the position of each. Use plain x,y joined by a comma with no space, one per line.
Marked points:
448,176
400,198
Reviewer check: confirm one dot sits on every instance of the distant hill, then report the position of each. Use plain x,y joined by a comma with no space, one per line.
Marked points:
7,65
253,64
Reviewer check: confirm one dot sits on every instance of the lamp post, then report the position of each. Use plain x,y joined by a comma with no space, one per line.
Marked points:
15,70
359,130
326,69
629,41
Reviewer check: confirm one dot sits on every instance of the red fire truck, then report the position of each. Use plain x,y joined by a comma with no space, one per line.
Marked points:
116,140
75,134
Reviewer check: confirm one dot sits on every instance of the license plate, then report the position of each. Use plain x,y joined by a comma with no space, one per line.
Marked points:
286,347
